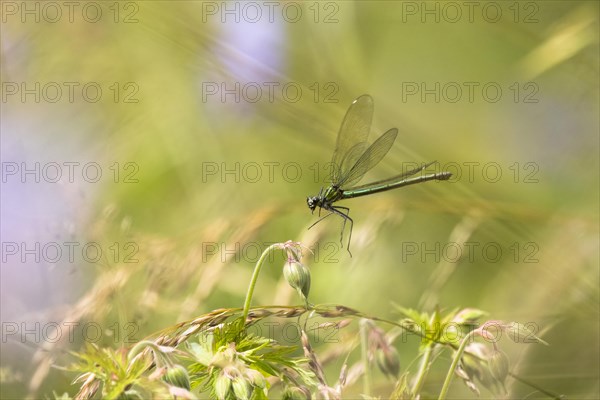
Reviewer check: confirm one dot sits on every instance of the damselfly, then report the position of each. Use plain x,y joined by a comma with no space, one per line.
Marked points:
353,157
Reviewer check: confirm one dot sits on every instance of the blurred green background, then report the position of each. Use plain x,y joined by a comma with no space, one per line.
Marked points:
216,120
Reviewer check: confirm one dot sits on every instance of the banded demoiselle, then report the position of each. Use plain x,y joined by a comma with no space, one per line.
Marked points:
353,158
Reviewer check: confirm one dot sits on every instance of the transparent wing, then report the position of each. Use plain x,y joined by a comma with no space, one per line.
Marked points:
352,138
370,158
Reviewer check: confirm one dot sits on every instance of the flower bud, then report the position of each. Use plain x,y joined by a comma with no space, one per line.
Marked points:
177,376
222,386
256,378
520,333
498,363
298,277
474,365
241,388
468,316
388,361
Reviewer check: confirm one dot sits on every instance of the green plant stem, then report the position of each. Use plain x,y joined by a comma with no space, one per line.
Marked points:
159,356
423,370
454,364
255,278
365,358
554,396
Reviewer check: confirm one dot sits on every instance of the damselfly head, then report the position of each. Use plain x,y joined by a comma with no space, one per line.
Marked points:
312,202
